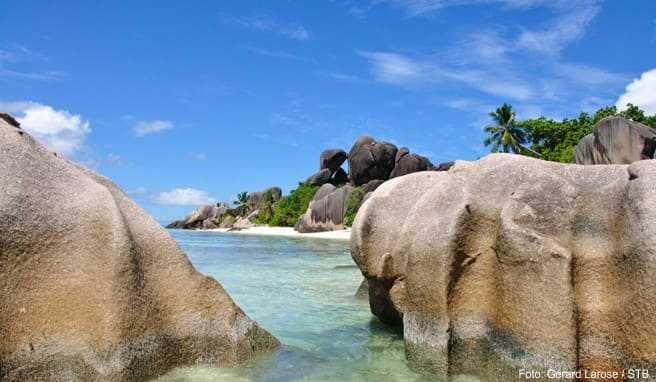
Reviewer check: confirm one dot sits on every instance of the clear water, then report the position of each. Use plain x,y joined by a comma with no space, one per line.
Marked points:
302,291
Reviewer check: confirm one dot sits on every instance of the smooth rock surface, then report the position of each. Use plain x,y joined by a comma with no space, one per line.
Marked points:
92,288
319,178
512,263
616,140
369,159
326,210
407,163
332,159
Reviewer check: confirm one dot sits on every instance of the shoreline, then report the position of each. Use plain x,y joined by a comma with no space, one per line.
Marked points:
344,234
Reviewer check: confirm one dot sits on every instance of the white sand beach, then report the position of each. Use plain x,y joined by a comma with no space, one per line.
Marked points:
344,234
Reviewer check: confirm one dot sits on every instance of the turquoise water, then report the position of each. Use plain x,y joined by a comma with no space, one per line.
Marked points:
302,291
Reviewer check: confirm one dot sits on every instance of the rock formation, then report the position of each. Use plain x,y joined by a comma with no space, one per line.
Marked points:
332,159
326,210
512,263
369,160
205,217
258,206
407,163
92,288
320,178
616,140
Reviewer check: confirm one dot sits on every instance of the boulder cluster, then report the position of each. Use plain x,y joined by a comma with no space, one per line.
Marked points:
370,164
258,207
93,288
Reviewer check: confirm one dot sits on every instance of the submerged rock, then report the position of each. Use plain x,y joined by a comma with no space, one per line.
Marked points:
92,288
616,140
512,263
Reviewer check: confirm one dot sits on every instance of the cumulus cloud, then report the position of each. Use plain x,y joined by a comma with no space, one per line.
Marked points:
641,92
183,197
151,127
59,130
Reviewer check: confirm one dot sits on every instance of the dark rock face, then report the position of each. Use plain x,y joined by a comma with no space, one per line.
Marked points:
332,159
326,210
12,121
407,163
512,263
372,185
100,291
444,166
320,178
369,159
339,178
616,140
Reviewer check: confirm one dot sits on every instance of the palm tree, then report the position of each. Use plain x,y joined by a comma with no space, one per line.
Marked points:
505,135
242,198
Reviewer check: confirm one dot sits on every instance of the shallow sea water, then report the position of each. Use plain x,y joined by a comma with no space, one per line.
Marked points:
302,291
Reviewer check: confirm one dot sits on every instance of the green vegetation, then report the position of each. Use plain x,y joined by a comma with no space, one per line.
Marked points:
242,199
289,208
506,135
353,203
551,139
266,208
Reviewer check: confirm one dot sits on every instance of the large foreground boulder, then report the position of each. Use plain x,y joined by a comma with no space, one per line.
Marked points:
369,160
326,210
616,140
512,263
92,288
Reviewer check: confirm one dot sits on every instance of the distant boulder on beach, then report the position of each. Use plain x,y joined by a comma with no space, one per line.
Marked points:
616,140
92,287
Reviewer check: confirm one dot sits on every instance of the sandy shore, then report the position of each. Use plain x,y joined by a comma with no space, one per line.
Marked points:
289,231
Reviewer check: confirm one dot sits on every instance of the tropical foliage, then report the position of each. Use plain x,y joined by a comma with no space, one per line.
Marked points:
242,199
289,208
551,139
353,203
505,135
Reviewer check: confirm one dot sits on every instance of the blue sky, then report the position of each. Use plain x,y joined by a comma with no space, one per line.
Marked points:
196,101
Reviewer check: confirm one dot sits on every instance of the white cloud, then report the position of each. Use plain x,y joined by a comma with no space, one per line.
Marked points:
568,26
139,191
394,68
151,127
422,7
183,197
266,23
59,130
641,92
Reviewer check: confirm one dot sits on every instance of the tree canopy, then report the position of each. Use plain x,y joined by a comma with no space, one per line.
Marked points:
555,140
